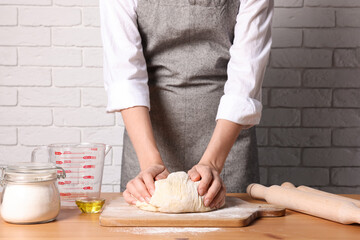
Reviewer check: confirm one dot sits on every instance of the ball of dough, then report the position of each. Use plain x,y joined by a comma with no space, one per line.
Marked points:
175,194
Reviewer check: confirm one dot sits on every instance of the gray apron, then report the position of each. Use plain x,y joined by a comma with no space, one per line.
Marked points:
186,46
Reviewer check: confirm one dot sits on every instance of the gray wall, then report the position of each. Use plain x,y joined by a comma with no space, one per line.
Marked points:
310,130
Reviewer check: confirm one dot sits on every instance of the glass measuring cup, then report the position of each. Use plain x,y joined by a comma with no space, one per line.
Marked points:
83,164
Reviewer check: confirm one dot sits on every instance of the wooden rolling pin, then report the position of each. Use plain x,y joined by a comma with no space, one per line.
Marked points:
306,202
322,193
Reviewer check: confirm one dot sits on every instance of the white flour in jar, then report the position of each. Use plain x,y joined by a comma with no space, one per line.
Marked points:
30,203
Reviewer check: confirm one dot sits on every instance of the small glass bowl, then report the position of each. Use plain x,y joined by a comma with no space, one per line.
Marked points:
90,204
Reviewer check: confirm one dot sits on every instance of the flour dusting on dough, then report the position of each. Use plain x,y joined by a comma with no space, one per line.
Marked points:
175,194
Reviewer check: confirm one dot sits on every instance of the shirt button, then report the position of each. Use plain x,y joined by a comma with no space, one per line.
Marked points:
192,2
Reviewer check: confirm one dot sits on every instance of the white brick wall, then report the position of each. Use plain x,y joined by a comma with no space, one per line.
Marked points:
51,89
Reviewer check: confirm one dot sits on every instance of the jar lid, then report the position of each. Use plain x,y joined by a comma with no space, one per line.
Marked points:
31,172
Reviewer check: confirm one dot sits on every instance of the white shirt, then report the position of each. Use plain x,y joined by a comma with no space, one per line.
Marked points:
125,72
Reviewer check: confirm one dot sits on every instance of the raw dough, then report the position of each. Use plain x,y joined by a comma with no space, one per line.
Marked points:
175,194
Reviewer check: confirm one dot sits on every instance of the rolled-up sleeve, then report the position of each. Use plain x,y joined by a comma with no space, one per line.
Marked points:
125,74
249,54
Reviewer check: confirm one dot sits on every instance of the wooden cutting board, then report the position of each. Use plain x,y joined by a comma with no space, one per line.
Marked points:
235,213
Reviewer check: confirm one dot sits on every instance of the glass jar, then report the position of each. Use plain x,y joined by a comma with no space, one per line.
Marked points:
30,193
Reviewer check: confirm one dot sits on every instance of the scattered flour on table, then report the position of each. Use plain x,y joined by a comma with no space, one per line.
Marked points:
234,208
161,230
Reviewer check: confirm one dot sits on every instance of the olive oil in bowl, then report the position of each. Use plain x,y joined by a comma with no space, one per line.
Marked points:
90,205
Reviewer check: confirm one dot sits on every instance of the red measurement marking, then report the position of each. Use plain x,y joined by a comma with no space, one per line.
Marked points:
67,182
88,188
68,152
76,195
61,183
67,161
66,171
89,157
71,157
93,149
59,162
89,166
88,177
57,153
65,194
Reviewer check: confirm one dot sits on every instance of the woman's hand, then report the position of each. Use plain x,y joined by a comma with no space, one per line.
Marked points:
142,187
212,162
210,183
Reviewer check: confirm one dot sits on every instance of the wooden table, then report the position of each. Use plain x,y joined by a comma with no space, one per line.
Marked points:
71,224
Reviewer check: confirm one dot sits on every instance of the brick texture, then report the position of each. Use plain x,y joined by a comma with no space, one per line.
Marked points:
300,97
331,157
91,17
41,136
78,77
93,57
334,38
53,97
8,96
301,58
347,57
52,89
14,116
57,57
25,76
348,18
112,136
8,56
8,136
84,117
349,137
304,17
347,98
299,176
49,16
282,78
76,3
79,37
8,16
24,36
26,2
303,137
94,97
331,117
332,78
345,176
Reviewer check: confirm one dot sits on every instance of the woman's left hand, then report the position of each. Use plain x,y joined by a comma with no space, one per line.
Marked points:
211,185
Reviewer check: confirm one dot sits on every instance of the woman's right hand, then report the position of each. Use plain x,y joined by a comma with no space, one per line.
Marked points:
142,187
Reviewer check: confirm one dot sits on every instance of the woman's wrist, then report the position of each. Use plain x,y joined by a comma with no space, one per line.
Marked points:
214,161
222,140
149,159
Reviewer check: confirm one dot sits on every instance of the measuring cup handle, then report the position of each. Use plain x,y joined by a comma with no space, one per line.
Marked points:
36,150
107,148
63,174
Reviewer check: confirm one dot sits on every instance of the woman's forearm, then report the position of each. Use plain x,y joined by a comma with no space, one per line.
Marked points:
222,140
138,125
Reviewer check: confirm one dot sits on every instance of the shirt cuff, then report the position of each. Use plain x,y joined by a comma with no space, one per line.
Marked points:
244,111
126,95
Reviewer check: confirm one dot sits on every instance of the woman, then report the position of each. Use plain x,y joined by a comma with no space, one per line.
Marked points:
172,67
